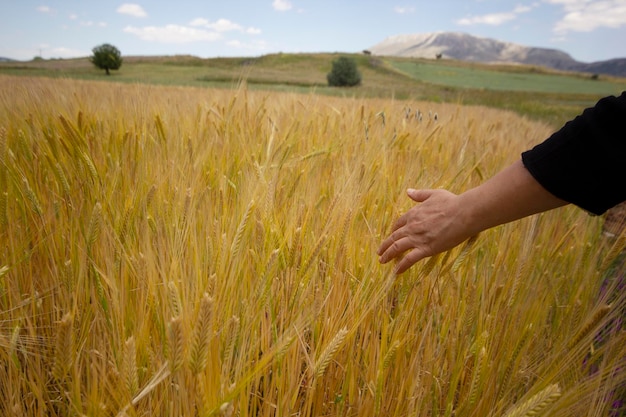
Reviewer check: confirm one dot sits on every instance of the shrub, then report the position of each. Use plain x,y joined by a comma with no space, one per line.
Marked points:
344,73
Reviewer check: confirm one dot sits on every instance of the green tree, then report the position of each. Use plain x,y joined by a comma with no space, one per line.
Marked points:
106,57
344,73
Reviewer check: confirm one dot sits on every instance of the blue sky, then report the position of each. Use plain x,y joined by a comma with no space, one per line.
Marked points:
589,30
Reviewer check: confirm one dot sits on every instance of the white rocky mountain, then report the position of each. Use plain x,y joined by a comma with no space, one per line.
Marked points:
466,47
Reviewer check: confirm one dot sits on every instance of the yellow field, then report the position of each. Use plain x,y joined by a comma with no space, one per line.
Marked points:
181,252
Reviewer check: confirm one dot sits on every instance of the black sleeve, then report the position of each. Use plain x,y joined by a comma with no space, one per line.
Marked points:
584,163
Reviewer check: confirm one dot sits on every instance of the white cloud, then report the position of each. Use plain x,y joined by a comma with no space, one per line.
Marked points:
90,23
281,5
493,19
173,34
522,9
200,21
223,25
132,10
585,16
73,16
404,10
496,19
44,9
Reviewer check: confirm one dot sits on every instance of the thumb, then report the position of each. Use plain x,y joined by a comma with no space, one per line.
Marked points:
419,196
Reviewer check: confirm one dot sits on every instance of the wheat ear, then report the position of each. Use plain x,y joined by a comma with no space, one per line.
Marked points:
201,336
176,305
509,369
233,333
129,366
64,348
32,197
236,246
95,224
329,352
537,403
4,209
176,344
589,325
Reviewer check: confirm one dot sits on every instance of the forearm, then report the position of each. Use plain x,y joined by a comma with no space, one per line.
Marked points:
510,195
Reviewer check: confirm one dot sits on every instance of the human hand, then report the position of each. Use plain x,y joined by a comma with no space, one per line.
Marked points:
435,225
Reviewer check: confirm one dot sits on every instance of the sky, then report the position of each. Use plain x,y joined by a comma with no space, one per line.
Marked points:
589,30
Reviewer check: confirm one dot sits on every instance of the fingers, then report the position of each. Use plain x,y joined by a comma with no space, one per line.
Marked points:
409,260
394,246
419,196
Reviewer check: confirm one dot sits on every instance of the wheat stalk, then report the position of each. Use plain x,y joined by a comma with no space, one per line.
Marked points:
236,245
201,336
537,403
176,305
30,195
232,335
509,369
65,185
91,167
464,252
129,366
176,344
589,325
311,258
95,225
477,376
4,205
328,353
150,197
295,249
158,123
75,137
64,348
226,410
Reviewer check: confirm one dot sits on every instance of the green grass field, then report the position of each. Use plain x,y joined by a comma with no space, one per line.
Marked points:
536,93
530,80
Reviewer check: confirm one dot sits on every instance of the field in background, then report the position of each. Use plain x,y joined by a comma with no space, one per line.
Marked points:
532,79
191,251
540,94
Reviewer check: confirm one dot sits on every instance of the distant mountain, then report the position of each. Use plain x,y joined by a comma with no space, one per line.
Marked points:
2,59
465,47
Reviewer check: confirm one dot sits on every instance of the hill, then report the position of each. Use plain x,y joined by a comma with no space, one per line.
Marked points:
466,47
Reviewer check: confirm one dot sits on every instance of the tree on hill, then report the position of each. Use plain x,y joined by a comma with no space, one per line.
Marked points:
344,73
106,57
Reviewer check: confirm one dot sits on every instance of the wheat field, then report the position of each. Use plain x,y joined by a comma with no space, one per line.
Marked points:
193,252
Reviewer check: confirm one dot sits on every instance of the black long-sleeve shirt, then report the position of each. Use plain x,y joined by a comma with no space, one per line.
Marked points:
584,163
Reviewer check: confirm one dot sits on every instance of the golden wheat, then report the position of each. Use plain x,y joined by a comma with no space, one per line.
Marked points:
327,354
196,234
129,367
537,403
176,346
202,333
64,348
